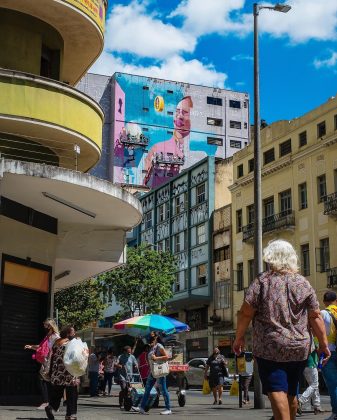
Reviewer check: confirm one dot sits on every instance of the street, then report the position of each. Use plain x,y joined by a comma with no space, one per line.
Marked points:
197,405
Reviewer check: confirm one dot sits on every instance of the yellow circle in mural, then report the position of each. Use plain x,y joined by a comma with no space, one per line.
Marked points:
159,103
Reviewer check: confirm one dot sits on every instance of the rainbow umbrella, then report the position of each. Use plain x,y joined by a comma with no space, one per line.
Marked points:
143,325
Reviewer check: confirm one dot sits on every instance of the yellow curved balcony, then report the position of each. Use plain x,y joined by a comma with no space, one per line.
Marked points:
79,22
52,114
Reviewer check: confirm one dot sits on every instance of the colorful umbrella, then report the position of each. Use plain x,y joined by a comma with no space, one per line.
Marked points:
143,325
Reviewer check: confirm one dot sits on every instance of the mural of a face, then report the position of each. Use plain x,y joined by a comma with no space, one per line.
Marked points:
182,121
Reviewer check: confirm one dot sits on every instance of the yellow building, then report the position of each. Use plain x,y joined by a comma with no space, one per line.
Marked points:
299,192
58,225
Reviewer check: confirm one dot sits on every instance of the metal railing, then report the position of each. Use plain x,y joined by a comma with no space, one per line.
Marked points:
140,140
330,204
162,159
282,220
332,277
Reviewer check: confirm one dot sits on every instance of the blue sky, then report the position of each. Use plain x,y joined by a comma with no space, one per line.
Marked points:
211,43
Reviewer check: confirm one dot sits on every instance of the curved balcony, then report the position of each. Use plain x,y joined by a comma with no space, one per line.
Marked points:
79,22
51,114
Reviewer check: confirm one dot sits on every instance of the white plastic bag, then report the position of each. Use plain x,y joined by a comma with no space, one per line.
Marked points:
75,357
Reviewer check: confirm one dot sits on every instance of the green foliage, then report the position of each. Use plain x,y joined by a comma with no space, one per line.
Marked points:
144,283
81,304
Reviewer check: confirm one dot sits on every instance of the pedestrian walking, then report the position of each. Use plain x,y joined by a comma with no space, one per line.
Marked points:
283,307
109,363
61,380
143,363
43,355
93,372
126,364
311,394
246,376
329,371
217,365
157,353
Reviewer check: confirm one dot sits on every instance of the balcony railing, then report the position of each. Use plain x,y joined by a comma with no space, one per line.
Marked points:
283,220
330,204
130,140
162,159
332,277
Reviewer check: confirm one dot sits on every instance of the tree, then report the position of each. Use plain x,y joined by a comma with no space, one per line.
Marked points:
144,283
81,304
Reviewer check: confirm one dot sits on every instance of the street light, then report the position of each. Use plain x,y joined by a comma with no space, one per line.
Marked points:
258,266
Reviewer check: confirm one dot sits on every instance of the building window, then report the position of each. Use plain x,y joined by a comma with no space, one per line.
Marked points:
245,125
303,196
235,124
169,112
268,207
285,148
202,274
201,234
335,122
50,63
245,104
169,91
211,100
250,271
324,255
180,203
217,122
161,213
285,202
145,88
145,109
167,245
269,156
240,171
215,140
177,243
201,193
234,104
222,254
250,214
223,295
302,139
251,165
305,260
148,220
321,129
239,220
239,273
236,144
321,188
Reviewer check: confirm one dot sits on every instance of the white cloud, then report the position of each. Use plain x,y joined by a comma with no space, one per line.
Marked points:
130,29
328,62
240,57
174,68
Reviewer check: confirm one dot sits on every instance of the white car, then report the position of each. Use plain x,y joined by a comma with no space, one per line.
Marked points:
194,377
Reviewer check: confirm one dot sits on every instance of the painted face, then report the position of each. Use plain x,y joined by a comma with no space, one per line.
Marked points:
182,121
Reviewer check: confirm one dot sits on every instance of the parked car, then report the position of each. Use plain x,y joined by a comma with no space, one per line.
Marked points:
194,377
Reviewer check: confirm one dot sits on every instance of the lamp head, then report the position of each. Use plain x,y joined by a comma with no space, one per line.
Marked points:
284,8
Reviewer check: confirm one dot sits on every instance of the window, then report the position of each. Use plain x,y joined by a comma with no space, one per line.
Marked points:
222,254
211,100
201,234
50,63
145,88
250,214
235,124
245,105
234,104
303,196
335,122
217,122
215,140
321,129
239,273
148,220
245,125
161,213
180,203
146,109
324,255
169,112
239,220
302,139
268,207
167,245
305,260
223,295
169,91
269,156
160,246
169,132
285,202
201,193
240,171
251,165
250,271
235,143
177,243
285,148
201,274
321,188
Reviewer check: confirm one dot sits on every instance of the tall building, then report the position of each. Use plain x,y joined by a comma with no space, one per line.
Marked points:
178,217
157,128
58,225
299,192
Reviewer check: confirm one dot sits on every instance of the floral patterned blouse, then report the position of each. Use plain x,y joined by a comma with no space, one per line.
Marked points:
280,324
58,372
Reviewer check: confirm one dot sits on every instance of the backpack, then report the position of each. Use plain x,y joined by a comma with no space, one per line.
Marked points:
334,320
42,351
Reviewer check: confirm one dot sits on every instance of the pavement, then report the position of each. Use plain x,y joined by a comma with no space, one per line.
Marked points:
197,406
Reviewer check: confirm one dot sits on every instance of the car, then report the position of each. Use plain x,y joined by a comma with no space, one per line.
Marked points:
194,377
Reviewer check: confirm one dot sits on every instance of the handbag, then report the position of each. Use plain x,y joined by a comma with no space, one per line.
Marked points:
160,369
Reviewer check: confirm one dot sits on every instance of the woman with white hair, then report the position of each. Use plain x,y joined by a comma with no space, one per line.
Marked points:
283,307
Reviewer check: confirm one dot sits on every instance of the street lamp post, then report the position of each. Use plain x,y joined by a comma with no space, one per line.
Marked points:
258,264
